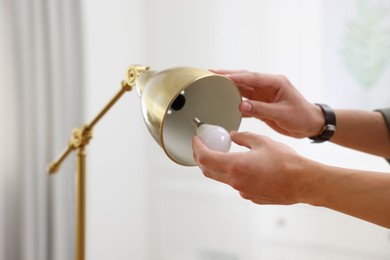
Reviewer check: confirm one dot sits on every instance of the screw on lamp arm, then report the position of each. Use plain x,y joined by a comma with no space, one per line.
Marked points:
79,140
80,137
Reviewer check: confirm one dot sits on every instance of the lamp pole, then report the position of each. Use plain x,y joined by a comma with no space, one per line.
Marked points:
78,141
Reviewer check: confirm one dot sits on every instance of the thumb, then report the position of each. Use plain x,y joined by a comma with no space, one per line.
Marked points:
259,109
246,139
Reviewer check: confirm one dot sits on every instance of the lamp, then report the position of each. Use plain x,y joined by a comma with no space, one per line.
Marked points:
171,100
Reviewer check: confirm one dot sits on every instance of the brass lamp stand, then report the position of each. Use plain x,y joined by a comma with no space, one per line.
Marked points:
78,141
170,100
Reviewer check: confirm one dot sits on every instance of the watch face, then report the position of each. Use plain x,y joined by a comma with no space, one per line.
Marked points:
330,127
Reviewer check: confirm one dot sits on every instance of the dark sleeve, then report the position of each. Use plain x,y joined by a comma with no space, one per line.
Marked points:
386,115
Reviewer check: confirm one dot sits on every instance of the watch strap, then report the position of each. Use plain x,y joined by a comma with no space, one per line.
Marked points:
329,126
386,116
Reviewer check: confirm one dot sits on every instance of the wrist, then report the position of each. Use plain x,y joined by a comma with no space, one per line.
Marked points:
310,183
317,121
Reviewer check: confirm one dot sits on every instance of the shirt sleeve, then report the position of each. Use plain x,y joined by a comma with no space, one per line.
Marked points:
386,115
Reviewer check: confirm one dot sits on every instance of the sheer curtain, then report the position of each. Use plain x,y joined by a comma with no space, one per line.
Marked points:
41,88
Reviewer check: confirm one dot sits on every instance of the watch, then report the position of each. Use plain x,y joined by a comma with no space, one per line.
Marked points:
329,126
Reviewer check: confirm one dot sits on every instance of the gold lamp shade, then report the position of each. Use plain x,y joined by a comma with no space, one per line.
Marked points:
172,98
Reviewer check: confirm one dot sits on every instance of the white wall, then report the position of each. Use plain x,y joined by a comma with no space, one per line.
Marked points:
143,206
117,190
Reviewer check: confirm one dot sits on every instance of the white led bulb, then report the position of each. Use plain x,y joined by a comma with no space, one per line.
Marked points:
214,137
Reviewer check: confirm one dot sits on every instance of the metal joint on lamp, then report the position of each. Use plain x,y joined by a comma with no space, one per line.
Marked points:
132,75
171,100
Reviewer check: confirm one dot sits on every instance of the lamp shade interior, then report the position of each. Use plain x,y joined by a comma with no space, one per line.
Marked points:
172,99
214,100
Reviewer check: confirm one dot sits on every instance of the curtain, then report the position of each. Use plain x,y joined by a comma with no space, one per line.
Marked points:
41,101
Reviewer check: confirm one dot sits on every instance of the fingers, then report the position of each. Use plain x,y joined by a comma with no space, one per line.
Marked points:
246,108
222,162
213,174
208,158
217,165
257,86
235,169
251,79
247,92
257,199
261,110
226,72
213,164
247,139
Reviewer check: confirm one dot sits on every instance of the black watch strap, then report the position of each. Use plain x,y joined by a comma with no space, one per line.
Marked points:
329,127
386,116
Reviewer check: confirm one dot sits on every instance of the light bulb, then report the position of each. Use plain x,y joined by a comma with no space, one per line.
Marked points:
214,137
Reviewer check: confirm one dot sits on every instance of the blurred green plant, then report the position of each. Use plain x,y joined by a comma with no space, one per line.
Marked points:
366,49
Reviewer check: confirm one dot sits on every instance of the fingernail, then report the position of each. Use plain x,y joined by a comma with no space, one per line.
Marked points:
233,132
246,106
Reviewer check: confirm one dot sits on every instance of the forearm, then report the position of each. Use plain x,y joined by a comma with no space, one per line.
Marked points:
363,194
362,130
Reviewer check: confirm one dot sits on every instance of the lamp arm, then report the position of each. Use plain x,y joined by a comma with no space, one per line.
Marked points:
81,136
78,141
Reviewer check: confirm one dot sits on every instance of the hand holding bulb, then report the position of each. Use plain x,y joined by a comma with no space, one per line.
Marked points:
214,137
